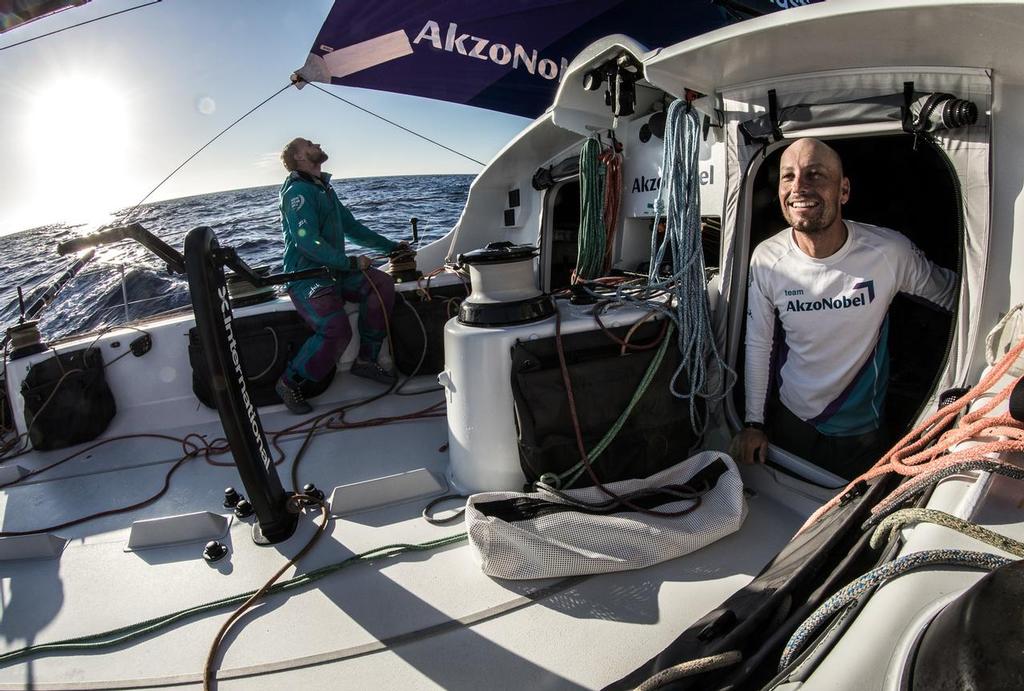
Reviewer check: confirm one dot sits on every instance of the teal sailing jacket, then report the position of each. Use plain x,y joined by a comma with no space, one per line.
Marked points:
315,224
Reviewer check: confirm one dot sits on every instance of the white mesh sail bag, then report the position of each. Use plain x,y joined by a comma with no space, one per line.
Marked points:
543,535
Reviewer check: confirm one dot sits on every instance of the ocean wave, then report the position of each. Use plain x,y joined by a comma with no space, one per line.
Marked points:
246,219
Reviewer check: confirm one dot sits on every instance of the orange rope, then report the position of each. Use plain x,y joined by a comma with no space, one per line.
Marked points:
915,455
612,200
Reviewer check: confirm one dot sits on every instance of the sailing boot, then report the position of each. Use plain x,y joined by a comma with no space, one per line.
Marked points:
291,396
368,369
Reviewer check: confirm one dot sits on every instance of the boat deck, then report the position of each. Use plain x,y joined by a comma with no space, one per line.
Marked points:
419,620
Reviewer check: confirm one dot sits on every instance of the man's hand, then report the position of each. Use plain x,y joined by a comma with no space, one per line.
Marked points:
750,446
363,262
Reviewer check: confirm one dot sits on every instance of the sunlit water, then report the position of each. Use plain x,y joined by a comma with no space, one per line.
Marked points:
247,220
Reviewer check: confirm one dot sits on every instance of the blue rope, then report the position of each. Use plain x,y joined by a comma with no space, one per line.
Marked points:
861,587
688,308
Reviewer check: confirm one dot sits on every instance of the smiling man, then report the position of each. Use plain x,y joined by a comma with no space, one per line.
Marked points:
817,320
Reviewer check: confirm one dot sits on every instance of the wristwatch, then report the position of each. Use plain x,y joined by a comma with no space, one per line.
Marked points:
754,425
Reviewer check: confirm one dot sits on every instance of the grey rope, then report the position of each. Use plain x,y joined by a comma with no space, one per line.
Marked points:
392,122
273,359
691,668
198,151
888,528
921,482
688,307
862,586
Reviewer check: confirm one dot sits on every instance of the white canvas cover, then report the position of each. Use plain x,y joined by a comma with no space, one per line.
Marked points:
572,543
967,149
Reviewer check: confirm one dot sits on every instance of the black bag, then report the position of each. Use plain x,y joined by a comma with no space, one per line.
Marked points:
656,435
412,316
266,343
67,400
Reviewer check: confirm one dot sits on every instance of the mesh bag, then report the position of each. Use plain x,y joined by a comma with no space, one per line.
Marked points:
542,535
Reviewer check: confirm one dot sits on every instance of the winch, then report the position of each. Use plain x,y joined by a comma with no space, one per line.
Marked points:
504,287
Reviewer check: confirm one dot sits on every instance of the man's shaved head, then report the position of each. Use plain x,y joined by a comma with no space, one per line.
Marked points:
812,188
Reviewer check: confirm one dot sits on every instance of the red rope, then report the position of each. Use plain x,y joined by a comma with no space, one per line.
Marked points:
926,450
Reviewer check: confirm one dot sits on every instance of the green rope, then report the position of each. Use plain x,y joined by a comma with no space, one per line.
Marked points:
106,639
886,530
577,470
592,234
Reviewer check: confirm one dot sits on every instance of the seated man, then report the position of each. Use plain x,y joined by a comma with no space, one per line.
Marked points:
828,283
315,225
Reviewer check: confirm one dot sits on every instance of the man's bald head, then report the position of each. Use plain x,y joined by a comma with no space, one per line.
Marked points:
811,149
812,187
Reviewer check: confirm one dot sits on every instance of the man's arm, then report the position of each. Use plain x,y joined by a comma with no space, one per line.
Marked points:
920,277
751,444
362,235
300,221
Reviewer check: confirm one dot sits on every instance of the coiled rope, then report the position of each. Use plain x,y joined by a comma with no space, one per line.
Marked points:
926,450
687,306
863,585
591,239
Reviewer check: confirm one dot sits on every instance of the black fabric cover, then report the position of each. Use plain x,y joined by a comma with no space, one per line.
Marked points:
526,508
442,305
266,342
758,619
655,436
976,640
67,400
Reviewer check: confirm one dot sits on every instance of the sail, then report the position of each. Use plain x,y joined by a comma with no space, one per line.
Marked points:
506,56
14,13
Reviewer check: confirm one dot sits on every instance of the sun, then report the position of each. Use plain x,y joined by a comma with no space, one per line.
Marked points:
79,133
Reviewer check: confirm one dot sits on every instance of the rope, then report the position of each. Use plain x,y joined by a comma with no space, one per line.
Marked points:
691,668
591,239
612,161
570,476
859,588
887,529
202,148
918,484
433,520
392,122
926,449
687,306
75,26
295,504
617,499
114,637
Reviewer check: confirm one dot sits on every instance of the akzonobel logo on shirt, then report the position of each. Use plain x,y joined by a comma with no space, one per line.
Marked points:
863,294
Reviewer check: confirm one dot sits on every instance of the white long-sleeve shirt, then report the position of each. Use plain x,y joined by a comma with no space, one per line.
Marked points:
831,353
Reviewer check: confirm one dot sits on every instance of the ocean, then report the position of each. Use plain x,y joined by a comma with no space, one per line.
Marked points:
245,219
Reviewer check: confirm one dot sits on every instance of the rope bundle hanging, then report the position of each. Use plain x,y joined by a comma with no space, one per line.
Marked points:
612,161
678,203
592,235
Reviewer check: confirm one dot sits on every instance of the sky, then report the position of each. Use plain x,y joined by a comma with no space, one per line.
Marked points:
93,118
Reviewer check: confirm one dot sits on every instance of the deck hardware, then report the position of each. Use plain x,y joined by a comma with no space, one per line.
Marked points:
243,509
231,498
858,489
316,495
141,345
214,551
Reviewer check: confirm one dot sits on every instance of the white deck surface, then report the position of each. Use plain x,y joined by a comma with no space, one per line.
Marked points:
422,620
